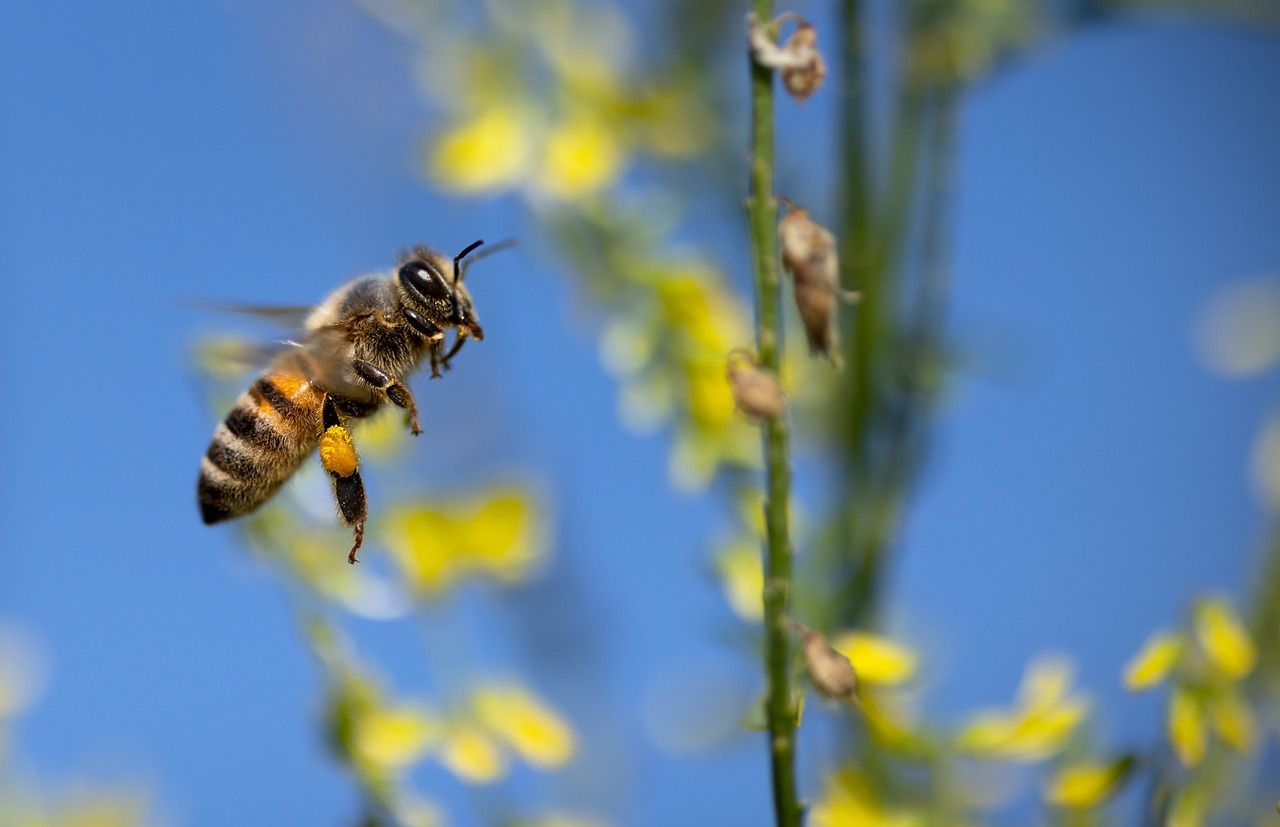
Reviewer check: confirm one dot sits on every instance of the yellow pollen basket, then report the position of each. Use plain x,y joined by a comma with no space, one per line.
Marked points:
338,452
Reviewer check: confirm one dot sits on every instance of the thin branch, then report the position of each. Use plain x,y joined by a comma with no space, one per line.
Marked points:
762,219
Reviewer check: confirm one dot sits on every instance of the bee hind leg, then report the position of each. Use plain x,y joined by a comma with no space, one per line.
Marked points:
397,392
338,456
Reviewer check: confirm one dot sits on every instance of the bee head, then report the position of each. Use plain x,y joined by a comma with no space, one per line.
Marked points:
435,297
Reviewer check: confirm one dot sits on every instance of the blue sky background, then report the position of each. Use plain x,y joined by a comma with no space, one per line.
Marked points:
1088,477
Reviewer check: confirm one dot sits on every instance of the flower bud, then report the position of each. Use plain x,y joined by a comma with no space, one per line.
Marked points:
755,390
799,60
803,80
809,254
831,672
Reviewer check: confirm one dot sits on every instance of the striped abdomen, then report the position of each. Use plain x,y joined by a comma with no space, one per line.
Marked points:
269,432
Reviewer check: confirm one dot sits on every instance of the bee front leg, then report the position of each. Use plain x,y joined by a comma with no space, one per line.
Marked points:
397,392
458,342
338,455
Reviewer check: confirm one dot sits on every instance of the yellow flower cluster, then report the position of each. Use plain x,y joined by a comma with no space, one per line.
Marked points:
669,352
850,799
1206,664
1084,784
497,533
589,119
475,743
1044,718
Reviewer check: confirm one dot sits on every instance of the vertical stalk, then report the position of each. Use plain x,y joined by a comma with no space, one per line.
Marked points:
762,219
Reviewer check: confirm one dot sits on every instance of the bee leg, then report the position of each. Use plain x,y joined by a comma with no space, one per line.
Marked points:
338,455
436,356
397,392
453,351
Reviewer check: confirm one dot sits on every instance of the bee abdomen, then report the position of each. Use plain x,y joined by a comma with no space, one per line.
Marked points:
268,432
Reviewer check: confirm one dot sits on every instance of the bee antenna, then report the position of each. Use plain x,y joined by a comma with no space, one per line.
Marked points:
505,244
460,256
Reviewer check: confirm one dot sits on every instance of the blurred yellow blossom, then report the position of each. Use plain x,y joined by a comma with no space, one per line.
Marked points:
497,533
887,720
529,726
1186,726
1224,639
1232,719
849,799
1188,809
471,754
1154,661
742,577
490,150
393,737
1084,785
876,660
580,156
1039,726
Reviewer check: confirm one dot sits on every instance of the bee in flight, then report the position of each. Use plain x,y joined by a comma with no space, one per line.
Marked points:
357,348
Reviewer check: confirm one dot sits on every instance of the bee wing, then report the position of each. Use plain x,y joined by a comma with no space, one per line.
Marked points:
232,356
290,317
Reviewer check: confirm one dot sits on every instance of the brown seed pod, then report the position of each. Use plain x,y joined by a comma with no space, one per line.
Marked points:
798,60
803,80
809,254
755,390
831,672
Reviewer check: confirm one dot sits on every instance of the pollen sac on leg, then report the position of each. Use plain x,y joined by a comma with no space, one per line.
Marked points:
338,452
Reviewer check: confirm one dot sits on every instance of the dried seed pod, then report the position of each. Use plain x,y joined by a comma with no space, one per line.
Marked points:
799,60
831,672
803,80
756,391
809,254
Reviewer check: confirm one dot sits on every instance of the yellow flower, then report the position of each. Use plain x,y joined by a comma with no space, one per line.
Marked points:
1186,727
531,728
887,721
1046,683
1233,720
1224,640
393,737
498,534
848,800
1039,726
742,577
488,151
1081,786
580,157
1188,809
472,754
875,659
710,398
1154,662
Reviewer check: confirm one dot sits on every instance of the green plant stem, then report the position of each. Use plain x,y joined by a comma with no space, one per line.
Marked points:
762,218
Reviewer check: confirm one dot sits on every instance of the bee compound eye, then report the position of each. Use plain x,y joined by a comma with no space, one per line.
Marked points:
425,326
425,280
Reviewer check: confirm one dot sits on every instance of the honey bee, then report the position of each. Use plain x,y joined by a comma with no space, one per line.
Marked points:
356,348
